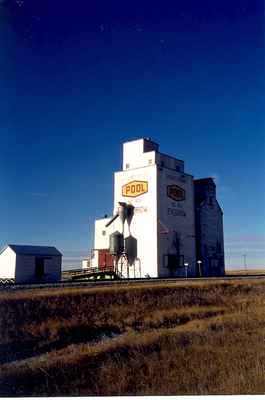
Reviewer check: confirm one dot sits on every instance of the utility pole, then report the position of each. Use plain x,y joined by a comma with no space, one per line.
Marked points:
245,261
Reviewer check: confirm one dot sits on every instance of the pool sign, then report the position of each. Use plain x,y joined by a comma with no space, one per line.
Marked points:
134,188
175,192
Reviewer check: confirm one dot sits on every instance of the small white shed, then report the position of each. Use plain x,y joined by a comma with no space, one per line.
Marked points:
30,264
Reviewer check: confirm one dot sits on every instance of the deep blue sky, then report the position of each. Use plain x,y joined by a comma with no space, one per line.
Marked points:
79,78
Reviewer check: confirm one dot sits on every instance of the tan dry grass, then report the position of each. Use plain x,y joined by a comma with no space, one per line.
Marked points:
243,271
192,338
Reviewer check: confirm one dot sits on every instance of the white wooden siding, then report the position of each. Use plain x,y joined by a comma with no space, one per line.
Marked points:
7,264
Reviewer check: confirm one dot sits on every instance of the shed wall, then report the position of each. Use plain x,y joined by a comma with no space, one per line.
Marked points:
7,264
25,269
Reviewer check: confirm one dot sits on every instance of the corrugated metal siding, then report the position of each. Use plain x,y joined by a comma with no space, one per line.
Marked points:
209,233
105,259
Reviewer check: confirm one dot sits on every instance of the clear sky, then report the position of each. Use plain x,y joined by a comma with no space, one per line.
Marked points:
80,77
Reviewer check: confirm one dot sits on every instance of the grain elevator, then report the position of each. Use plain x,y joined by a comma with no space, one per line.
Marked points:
162,224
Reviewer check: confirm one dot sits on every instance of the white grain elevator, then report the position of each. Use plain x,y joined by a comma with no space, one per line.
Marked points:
161,232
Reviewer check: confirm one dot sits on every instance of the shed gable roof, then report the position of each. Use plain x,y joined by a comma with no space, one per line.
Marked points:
35,250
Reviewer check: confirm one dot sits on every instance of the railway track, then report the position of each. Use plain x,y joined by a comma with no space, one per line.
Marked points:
7,286
7,282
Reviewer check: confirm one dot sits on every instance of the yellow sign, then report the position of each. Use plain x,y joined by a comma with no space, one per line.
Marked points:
175,192
134,188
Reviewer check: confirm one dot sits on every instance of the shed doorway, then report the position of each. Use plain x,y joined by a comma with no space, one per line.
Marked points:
39,267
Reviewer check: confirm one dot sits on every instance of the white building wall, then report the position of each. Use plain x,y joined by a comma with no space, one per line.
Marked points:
102,233
85,263
94,258
139,153
144,221
176,217
101,239
139,161
7,264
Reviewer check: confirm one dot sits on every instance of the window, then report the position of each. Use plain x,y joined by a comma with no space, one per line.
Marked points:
150,161
218,247
127,166
173,261
214,263
104,233
181,261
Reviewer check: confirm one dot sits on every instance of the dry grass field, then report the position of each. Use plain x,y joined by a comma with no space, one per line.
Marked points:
152,339
243,271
